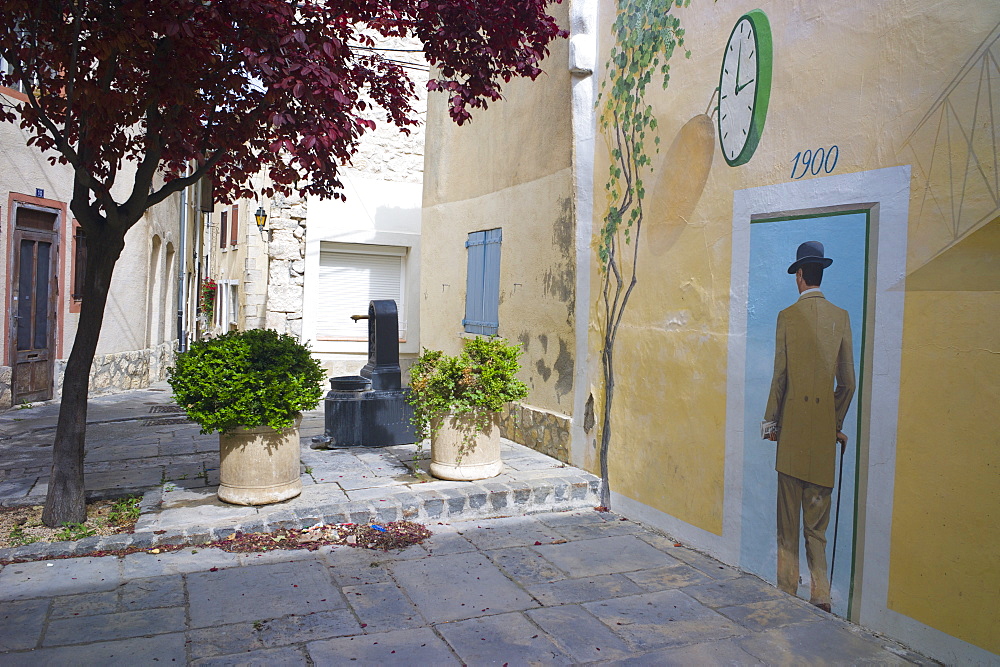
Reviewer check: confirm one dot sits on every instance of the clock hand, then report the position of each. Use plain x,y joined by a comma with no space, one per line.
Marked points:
739,87
739,58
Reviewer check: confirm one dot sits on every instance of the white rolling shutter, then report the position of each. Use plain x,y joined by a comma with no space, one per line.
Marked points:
347,282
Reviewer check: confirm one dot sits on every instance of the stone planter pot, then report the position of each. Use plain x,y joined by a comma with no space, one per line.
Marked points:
259,466
460,451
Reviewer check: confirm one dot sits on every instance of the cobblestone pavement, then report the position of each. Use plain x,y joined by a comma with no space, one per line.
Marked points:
504,579
555,588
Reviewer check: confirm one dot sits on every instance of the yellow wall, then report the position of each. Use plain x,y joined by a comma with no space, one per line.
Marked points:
509,168
945,543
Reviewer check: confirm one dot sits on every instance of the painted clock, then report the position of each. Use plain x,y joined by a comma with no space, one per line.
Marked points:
744,87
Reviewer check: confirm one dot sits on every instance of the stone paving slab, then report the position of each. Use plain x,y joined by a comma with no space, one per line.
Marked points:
602,555
411,647
572,591
769,614
457,586
260,591
383,607
276,657
504,639
723,652
665,618
21,623
580,634
62,577
814,643
122,625
166,648
343,605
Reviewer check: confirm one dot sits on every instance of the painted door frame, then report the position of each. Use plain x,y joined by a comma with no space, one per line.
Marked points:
856,426
884,193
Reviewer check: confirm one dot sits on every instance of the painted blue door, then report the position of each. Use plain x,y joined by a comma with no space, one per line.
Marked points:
772,249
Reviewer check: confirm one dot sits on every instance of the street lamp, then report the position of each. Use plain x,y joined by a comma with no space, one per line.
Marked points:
261,217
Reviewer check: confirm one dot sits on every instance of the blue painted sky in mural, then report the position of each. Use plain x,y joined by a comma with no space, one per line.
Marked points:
770,289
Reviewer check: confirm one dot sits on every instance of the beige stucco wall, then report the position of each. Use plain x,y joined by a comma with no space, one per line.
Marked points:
509,168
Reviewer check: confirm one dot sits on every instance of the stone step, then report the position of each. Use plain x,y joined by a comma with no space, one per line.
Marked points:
554,490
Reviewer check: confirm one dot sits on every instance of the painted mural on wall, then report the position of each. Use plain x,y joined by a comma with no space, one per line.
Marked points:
888,158
799,346
646,36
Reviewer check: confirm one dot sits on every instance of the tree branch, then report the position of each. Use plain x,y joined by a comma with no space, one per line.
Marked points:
71,72
178,184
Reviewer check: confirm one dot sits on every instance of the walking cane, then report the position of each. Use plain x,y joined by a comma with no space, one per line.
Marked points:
836,517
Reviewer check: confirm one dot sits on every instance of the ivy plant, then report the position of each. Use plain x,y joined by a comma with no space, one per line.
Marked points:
246,378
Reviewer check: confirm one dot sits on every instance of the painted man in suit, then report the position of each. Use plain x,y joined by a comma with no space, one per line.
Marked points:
812,349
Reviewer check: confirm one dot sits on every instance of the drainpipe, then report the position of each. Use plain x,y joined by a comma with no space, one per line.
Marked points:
182,275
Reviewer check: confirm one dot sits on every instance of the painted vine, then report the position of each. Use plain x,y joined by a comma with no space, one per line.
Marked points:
646,36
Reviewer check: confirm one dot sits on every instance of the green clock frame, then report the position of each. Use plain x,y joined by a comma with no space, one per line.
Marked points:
761,28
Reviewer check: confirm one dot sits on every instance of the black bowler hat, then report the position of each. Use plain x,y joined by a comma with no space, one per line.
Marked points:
810,252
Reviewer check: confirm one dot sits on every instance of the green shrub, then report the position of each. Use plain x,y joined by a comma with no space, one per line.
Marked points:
246,378
479,381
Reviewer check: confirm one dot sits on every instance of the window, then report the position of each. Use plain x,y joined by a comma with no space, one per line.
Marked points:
222,230
482,291
350,277
227,305
232,225
79,262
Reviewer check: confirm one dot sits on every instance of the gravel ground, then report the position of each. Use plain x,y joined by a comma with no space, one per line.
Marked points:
23,525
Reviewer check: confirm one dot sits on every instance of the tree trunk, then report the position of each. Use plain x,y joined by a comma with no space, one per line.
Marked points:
65,501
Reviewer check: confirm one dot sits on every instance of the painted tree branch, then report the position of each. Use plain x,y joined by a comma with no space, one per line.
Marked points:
646,35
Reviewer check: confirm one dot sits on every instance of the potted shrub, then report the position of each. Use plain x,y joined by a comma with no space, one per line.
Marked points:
457,401
251,387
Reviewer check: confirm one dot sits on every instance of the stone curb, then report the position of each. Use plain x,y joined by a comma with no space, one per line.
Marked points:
472,500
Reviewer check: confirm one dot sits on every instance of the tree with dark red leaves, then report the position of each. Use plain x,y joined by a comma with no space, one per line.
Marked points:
146,96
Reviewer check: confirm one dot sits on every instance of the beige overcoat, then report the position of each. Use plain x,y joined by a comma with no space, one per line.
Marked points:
812,349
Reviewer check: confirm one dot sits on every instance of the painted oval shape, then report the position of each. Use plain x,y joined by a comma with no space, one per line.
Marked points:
679,181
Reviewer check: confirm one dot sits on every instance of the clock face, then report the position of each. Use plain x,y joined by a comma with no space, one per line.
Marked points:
744,87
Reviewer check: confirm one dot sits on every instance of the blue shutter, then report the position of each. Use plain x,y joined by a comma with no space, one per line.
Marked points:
491,282
482,292
474,283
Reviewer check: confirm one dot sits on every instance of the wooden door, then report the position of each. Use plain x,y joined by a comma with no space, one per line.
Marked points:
33,303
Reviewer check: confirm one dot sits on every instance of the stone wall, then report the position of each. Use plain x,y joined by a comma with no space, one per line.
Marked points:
6,386
543,431
386,153
122,371
110,373
286,253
